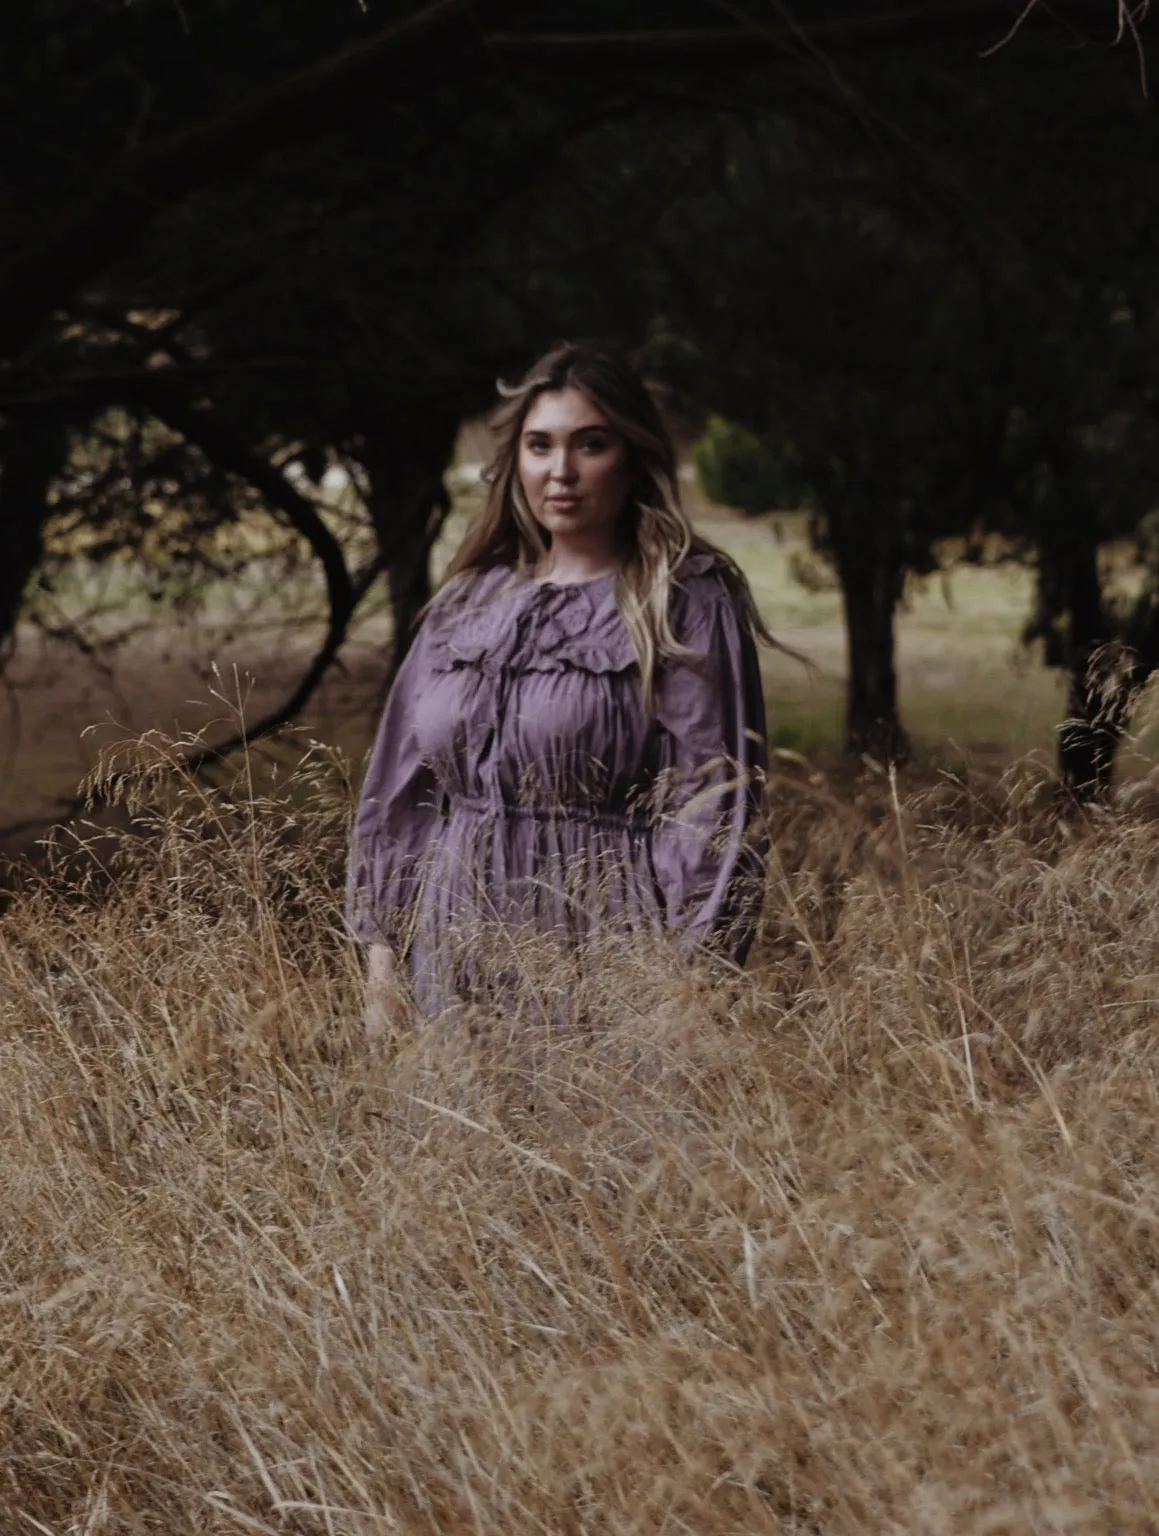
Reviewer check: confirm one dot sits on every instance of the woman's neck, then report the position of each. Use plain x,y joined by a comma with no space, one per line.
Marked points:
565,570
566,565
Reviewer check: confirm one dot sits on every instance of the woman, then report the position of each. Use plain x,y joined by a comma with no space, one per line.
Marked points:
575,741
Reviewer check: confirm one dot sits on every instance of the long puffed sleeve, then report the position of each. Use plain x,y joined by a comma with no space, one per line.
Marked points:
396,816
710,843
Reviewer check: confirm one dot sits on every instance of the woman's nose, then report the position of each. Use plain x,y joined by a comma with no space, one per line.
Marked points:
562,466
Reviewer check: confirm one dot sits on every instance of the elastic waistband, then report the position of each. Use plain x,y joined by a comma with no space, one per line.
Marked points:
478,805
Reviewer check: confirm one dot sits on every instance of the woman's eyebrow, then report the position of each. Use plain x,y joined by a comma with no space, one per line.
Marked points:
594,426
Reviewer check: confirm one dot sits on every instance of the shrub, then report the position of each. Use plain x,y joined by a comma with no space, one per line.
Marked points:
739,469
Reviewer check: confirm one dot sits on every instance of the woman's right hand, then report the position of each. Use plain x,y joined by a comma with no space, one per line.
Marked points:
385,1003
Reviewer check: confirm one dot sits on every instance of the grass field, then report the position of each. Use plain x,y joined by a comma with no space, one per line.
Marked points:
863,1241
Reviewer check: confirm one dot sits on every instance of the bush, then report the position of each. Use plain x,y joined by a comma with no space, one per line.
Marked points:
739,469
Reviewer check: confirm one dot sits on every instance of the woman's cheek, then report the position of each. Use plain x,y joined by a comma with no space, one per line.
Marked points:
531,478
614,482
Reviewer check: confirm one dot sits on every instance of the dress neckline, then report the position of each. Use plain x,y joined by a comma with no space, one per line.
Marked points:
564,586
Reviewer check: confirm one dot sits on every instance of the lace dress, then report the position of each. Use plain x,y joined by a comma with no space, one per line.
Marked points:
517,782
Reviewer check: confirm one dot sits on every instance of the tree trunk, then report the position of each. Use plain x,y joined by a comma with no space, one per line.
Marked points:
872,576
408,577
408,505
1100,688
872,723
32,453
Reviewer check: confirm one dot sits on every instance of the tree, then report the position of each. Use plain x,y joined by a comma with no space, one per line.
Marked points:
1069,321
808,303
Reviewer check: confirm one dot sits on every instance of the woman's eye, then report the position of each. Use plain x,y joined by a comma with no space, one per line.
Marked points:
595,444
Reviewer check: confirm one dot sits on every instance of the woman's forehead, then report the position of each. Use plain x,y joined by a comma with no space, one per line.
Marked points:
563,410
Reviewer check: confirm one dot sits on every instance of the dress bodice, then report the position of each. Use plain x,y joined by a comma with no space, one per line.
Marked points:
516,764
533,701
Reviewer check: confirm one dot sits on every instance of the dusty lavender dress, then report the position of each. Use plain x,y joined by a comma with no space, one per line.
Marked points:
518,780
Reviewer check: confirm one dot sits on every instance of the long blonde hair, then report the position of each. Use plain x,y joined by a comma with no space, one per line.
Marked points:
655,535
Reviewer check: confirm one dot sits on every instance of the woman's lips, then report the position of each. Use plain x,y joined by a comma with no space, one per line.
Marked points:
563,501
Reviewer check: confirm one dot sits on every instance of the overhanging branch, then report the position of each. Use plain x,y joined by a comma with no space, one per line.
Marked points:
405,60
204,430
982,23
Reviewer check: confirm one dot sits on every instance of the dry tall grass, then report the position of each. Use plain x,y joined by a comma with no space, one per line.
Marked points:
863,1241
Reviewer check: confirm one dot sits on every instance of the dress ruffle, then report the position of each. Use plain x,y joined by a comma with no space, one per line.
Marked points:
562,626
546,627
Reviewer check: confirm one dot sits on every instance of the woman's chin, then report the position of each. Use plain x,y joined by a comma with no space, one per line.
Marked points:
560,527
570,525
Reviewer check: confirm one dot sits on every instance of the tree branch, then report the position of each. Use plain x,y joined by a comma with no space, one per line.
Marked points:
285,712
205,430
986,23
406,59
344,592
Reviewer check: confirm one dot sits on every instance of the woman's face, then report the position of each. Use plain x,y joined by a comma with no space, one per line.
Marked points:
573,466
